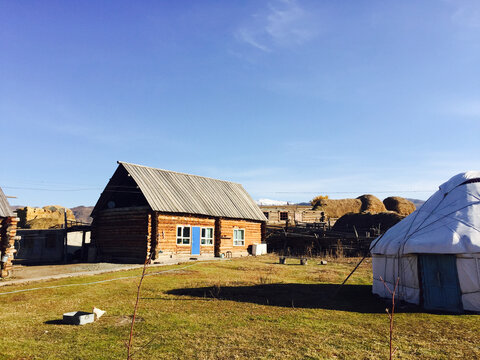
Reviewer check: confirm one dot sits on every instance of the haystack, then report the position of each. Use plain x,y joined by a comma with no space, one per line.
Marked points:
43,218
371,204
365,221
338,208
399,205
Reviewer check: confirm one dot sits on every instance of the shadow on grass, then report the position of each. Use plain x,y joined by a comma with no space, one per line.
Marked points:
354,298
55,322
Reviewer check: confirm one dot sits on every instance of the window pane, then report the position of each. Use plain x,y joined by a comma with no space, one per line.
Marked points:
203,232
179,240
186,231
186,241
179,231
242,234
209,233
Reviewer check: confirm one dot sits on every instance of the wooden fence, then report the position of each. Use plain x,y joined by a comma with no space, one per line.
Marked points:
313,241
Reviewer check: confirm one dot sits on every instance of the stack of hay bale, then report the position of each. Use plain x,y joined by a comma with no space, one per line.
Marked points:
43,218
374,213
400,205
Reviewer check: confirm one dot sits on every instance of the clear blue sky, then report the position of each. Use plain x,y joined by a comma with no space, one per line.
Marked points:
289,98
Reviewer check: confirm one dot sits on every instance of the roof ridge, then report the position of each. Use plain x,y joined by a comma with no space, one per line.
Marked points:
177,172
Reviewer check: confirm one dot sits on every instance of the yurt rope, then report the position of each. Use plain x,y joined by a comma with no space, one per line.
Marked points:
356,267
446,215
407,237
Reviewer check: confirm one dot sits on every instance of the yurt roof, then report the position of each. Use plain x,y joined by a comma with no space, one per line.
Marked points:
448,222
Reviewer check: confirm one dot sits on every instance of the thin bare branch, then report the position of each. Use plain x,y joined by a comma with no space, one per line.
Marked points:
391,314
129,346
386,286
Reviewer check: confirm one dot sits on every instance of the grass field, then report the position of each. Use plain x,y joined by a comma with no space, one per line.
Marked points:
248,308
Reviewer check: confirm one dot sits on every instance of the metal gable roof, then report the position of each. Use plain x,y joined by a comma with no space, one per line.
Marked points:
169,191
5,210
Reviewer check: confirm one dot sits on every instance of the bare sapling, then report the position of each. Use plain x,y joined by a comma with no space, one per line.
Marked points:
130,339
391,314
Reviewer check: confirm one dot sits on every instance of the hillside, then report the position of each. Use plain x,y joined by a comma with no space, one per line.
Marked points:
16,207
82,213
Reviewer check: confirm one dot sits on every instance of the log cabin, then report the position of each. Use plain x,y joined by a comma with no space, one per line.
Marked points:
8,229
147,212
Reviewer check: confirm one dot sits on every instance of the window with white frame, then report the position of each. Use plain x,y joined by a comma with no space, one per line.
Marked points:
183,235
238,237
207,236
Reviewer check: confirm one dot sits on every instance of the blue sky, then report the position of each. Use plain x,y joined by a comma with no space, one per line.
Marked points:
289,98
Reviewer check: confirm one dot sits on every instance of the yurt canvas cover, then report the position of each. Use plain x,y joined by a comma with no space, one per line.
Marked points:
435,251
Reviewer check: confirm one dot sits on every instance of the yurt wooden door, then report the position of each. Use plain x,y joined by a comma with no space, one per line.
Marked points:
440,286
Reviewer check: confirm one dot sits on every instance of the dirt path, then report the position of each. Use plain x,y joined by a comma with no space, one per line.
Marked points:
24,274
40,271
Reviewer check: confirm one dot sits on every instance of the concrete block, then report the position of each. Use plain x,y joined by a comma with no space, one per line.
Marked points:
78,318
259,249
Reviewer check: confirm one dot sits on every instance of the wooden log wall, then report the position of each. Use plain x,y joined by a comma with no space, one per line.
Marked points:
122,234
295,213
300,214
167,233
149,234
8,231
312,216
253,235
129,234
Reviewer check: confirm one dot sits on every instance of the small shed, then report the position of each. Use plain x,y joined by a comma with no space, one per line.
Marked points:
8,229
145,211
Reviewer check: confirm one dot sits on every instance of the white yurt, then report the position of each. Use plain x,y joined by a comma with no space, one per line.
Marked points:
435,251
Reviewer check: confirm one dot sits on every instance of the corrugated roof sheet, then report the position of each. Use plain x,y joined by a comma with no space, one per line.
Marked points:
169,191
4,206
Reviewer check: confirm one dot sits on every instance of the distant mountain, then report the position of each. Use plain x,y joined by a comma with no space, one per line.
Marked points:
418,203
82,213
15,207
270,202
